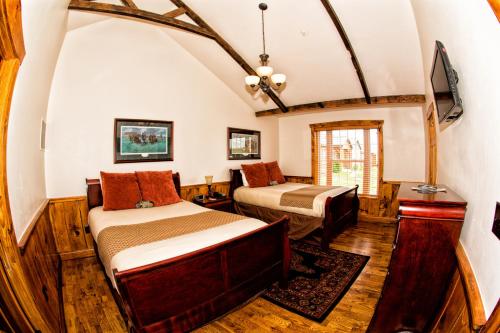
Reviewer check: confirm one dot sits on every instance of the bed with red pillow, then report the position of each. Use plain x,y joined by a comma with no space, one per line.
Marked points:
176,266
260,190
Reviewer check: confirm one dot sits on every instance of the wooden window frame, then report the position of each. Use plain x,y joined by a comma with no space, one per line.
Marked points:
349,124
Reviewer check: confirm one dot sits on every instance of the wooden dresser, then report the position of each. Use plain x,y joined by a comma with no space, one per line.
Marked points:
423,260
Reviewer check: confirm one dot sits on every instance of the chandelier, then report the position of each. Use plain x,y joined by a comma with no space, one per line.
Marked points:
265,79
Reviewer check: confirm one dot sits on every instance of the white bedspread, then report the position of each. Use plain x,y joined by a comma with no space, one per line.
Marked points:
156,251
270,197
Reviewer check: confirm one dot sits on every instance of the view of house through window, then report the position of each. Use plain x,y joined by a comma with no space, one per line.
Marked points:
347,156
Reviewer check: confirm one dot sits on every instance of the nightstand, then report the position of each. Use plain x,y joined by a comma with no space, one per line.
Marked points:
222,204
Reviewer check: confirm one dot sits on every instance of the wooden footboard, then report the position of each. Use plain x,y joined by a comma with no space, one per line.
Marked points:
185,292
339,211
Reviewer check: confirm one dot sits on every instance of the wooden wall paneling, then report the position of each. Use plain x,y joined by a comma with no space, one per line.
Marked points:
299,179
350,103
188,192
42,264
462,309
69,224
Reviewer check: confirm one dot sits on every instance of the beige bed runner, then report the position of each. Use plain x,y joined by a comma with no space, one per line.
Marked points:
114,239
304,197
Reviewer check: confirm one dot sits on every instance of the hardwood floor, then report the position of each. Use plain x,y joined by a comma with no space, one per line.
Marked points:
89,305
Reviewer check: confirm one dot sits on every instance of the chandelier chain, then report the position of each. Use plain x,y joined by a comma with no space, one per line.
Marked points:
263,34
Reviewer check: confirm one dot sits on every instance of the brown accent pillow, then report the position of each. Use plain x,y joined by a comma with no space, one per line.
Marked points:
158,187
274,172
119,191
256,174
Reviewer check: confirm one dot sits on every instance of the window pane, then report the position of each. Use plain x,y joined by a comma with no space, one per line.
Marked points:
349,158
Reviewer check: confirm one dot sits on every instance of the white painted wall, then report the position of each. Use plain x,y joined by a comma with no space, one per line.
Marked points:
44,26
403,135
468,159
125,69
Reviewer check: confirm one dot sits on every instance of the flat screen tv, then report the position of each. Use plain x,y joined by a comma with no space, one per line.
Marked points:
444,81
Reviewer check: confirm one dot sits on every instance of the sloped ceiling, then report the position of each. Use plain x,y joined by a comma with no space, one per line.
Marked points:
303,44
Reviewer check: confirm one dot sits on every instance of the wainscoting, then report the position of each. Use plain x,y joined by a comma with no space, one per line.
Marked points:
190,191
42,267
69,224
382,208
462,309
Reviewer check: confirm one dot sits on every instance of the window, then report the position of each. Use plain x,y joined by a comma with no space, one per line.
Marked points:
348,153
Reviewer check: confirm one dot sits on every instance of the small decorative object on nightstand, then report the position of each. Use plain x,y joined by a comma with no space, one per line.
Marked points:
208,180
219,201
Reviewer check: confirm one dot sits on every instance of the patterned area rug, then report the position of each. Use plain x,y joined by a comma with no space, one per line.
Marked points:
317,280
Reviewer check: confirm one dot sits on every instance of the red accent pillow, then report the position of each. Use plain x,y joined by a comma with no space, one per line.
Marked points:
158,187
274,172
119,191
256,174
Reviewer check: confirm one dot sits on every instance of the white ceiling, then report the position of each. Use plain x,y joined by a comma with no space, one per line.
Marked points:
303,44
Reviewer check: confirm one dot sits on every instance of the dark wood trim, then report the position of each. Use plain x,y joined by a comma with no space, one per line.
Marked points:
473,296
126,11
176,12
228,48
347,43
129,3
23,242
342,104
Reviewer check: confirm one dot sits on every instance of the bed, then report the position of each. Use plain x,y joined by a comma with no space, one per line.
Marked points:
183,282
330,211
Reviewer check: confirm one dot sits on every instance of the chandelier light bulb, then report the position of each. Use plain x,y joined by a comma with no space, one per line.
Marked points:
264,71
252,80
278,79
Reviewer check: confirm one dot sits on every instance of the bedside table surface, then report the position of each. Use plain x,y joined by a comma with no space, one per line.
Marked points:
206,201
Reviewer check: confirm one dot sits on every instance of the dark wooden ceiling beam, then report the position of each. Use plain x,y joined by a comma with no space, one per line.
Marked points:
176,12
336,21
406,100
129,11
129,3
228,48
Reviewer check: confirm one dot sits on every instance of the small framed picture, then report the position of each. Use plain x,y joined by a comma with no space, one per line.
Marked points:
243,144
138,140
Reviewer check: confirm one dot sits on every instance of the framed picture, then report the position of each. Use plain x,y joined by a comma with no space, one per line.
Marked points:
138,140
243,144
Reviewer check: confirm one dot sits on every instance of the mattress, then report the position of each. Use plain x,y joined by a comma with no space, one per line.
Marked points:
168,248
270,197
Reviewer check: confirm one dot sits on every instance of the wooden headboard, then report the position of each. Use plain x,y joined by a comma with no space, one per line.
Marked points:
94,191
236,180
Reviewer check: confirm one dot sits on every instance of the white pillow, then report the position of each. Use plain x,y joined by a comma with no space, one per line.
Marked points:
245,182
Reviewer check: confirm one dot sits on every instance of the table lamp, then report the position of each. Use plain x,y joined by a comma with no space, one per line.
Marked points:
208,180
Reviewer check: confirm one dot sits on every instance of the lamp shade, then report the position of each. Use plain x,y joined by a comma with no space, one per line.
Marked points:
264,71
278,79
208,179
252,80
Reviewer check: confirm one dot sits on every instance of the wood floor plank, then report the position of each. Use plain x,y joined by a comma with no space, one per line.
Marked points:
89,305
